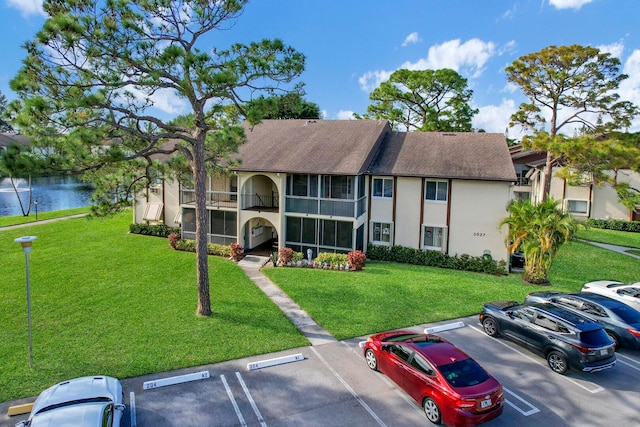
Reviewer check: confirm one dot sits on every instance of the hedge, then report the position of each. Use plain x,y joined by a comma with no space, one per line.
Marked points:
615,224
406,255
159,230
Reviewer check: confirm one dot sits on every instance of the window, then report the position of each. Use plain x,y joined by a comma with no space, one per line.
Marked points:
223,223
422,365
577,206
337,187
381,232
382,187
302,185
436,190
401,352
433,237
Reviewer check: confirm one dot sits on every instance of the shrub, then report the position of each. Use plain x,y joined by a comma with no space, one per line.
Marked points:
332,259
285,256
236,252
297,256
406,255
219,250
173,239
615,224
356,259
158,230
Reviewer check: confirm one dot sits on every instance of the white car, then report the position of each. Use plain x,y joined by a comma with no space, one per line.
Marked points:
88,401
628,294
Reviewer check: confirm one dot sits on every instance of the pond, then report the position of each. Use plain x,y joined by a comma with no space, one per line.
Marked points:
53,193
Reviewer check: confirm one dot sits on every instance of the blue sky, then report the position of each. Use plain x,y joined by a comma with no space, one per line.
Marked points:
352,45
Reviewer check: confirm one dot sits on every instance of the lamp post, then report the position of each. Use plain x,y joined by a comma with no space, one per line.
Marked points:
36,203
26,242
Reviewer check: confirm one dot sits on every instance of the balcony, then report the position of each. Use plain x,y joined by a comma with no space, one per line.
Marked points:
215,199
329,207
261,202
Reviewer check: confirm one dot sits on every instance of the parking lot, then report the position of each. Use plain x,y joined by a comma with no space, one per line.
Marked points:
332,386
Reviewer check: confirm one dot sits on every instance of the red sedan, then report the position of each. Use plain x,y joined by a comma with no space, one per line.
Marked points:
452,388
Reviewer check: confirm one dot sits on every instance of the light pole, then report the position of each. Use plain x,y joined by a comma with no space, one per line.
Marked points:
36,203
26,242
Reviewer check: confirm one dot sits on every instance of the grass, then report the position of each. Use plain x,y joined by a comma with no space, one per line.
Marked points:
612,237
105,301
387,296
21,219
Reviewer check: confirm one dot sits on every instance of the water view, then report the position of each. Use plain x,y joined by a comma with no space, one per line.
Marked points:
52,193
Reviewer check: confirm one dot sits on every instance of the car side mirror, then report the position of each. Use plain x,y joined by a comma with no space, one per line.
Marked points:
510,314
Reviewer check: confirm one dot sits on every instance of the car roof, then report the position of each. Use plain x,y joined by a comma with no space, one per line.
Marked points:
599,299
77,389
439,353
579,322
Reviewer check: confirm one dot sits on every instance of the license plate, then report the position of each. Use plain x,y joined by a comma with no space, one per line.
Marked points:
485,403
604,352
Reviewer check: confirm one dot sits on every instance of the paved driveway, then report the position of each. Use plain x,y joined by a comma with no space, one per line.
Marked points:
332,386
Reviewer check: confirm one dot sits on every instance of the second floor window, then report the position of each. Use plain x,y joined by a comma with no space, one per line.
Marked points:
436,191
382,187
302,185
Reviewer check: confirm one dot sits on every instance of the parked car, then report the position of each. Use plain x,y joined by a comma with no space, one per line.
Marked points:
88,401
620,321
628,294
564,338
451,387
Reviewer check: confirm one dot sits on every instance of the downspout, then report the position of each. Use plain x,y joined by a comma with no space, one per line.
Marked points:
421,222
448,214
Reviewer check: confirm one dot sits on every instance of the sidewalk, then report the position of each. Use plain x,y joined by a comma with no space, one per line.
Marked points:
316,335
620,249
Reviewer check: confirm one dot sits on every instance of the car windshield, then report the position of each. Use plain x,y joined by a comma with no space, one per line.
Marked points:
627,314
464,373
74,402
596,338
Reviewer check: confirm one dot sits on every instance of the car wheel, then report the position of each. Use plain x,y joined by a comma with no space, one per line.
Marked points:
372,360
557,362
615,339
432,411
490,327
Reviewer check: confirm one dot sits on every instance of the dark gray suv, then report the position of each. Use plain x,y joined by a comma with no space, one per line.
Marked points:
565,339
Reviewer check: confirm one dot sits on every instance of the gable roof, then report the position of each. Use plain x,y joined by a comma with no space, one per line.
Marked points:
338,147
445,155
7,139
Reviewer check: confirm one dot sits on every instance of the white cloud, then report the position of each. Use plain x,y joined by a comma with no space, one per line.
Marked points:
510,88
345,115
164,100
615,49
569,4
495,118
411,38
27,7
467,58
630,88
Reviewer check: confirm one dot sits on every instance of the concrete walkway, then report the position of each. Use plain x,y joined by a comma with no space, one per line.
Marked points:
620,249
316,335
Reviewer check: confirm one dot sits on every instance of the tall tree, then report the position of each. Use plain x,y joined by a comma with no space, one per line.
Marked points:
567,86
539,231
287,106
96,69
602,160
423,100
5,126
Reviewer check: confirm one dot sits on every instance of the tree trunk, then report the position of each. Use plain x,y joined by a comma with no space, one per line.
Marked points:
548,174
202,257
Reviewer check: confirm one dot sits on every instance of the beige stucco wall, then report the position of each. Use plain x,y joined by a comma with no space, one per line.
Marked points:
168,194
408,197
477,207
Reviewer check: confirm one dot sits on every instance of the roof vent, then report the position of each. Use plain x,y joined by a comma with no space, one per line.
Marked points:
310,121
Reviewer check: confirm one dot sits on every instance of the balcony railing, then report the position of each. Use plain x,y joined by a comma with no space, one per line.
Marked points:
329,207
260,202
216,199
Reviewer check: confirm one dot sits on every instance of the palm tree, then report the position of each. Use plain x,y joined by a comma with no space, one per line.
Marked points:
539,230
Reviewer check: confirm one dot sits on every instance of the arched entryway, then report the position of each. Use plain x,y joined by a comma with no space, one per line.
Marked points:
260,236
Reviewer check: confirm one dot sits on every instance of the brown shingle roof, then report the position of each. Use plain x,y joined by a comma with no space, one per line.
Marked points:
340,147
445,155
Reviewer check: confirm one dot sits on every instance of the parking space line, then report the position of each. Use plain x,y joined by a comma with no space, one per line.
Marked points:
593,390
348,387
233,401
251,401
132,408
531,411
632,365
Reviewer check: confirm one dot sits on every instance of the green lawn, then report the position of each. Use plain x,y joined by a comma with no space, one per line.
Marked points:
21,219
105,301
612,237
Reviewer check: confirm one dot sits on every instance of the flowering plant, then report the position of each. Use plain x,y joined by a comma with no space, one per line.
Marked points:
357,259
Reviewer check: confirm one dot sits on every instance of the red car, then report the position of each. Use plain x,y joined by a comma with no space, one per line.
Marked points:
452,388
